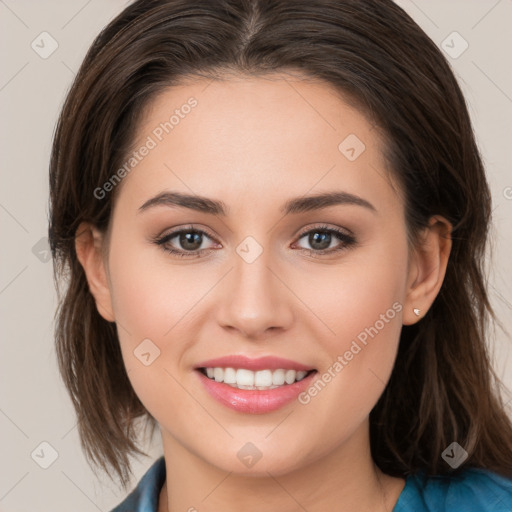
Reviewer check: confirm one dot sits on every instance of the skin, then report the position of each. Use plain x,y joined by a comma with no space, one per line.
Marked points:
255,143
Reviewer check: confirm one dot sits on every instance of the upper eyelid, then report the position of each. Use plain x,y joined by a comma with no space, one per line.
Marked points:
172,234
324,227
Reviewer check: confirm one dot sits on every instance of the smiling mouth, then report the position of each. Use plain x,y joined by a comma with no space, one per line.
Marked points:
262,380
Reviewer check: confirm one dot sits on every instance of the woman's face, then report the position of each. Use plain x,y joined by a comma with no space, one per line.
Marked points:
266,279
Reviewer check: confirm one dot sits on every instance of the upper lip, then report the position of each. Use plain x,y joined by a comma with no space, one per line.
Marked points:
254,364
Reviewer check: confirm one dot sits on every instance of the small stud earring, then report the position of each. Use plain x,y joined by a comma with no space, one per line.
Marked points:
416,311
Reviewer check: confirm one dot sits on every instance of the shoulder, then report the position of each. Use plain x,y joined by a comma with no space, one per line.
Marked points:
471,490
144,498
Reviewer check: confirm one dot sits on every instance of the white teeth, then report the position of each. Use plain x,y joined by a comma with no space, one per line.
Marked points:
261,379
229,376
244,377
301,375
289,376
278,377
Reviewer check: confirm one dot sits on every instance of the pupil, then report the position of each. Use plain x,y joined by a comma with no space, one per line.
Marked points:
323,237
189,240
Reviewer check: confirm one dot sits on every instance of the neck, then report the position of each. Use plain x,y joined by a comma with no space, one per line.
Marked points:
345,479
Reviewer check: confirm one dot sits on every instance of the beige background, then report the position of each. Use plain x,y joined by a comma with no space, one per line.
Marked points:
34,406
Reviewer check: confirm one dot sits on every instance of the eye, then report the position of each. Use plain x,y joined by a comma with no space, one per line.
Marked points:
321,239
189,239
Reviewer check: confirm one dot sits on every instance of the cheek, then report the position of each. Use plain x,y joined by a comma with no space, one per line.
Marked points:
150,297
363,317
146,309
158,301
361,313
358,299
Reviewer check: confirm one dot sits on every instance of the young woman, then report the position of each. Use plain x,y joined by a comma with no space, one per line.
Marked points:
272,217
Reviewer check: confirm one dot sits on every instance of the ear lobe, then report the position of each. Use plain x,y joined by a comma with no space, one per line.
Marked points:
427,269
89,249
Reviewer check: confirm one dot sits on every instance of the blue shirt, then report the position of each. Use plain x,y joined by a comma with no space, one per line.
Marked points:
472,490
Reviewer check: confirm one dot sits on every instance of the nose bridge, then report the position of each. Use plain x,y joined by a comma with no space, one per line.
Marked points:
256,299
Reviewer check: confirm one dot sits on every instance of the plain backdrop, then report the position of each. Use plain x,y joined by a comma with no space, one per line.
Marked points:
34,405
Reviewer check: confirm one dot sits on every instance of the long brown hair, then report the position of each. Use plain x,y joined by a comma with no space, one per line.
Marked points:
443,387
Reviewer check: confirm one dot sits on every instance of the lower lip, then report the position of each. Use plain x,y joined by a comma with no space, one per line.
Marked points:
254,401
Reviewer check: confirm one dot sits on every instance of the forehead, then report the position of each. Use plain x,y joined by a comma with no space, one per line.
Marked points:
269,136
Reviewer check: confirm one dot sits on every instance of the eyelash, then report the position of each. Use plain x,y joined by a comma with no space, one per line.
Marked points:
346,239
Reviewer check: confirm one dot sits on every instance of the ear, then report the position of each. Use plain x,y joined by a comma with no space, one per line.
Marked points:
89,246
427,268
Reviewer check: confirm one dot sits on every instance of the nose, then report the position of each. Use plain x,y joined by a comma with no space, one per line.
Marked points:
255,300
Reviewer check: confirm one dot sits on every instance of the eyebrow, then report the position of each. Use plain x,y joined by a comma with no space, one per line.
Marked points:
292,206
